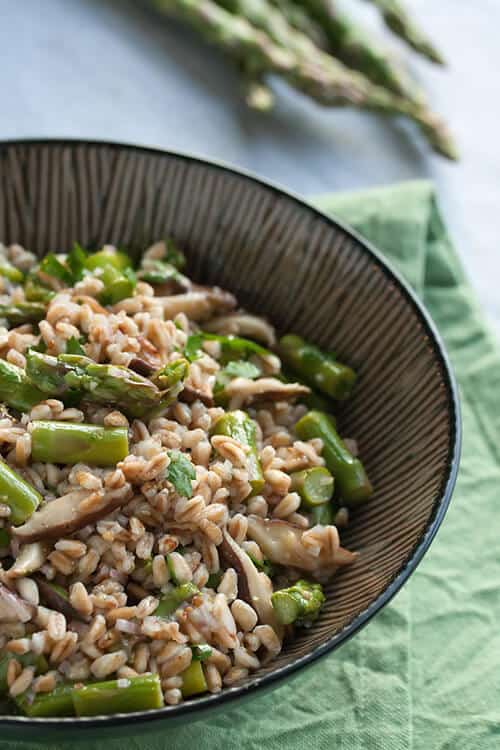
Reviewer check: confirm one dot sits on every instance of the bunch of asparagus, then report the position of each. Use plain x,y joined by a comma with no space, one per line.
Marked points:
320,52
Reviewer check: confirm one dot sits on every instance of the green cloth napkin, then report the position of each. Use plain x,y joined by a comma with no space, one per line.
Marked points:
425,673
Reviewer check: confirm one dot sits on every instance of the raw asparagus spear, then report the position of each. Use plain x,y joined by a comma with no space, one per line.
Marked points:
16,389
278,48
58,702
20,496
67,443
118,696
238,425
299,604
349,473
397,19
317,368
355,48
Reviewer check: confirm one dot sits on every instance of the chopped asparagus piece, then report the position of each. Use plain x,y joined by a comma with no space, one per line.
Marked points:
141,693
315,486
349,473
299,604
174,598
16,389
239,426
22,312
108,257
193,680
67,443
317,368
20,496
58,702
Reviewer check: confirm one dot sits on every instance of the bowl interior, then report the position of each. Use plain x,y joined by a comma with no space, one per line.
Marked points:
305,273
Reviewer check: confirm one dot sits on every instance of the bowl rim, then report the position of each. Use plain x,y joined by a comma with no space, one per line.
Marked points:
203,704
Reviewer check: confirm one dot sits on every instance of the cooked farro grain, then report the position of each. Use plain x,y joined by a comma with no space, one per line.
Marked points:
149,550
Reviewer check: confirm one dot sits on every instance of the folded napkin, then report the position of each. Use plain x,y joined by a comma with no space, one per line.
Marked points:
425,673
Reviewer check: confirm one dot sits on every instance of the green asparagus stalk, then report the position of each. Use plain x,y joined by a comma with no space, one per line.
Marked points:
349,473
16,389
170,601
141,693
57,702
317,368
118,285
354,47
10,272
105,384
299,604
193,680
108,257
315,486
26,660
35,291
68,443
238,425
23,312
397,19
276,47
20,496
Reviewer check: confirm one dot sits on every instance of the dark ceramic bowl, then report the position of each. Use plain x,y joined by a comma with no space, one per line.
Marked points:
307,273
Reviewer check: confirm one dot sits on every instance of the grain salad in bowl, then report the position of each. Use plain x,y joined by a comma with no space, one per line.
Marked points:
172,483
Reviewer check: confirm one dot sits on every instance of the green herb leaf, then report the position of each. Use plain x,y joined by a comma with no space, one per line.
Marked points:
193,346
52,266
241,369
263,565
76,262
73,346
201,651
180,473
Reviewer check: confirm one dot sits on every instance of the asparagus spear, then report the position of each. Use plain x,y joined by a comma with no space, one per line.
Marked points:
20,496
10,272
315,486
317,368
299,604
58,702
67,443
397,19
108,257
355,48
23,312
140,693
322,515
348,471
193,680
170,601
276,47
105,384
238,425
16,389
118,285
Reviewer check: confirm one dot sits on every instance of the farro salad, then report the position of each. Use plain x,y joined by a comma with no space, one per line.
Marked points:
171,483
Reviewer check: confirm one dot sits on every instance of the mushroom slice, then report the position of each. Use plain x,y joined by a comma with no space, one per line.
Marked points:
243,324
253,586
244,391
13,608
281,542
191,393
200,304
55,597
30,557
67,513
